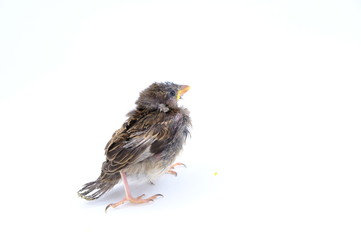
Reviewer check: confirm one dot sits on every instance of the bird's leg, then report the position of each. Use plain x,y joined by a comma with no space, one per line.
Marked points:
170,170
128,195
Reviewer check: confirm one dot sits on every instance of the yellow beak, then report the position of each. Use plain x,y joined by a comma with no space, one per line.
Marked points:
183,89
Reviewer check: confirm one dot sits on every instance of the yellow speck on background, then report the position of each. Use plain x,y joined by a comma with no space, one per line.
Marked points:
215,173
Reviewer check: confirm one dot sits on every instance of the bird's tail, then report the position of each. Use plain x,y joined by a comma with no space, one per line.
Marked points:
94,190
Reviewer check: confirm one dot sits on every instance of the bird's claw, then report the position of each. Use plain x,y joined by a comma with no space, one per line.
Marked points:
137,200
174,173
177,164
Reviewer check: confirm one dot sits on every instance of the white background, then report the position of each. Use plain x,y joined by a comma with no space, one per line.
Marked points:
275,103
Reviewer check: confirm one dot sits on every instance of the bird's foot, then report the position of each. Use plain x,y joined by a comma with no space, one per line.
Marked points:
170,170
131,199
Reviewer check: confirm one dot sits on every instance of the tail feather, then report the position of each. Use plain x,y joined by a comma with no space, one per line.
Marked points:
94,190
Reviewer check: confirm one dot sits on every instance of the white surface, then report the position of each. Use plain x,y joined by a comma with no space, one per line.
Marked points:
275,102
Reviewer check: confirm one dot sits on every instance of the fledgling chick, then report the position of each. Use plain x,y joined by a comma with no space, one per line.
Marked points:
146,145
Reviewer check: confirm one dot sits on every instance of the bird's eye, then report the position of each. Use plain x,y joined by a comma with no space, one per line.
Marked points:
172,93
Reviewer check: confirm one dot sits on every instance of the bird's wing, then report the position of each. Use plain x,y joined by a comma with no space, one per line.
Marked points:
137,141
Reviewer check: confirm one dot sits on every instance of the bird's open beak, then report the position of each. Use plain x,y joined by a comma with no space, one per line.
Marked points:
183,89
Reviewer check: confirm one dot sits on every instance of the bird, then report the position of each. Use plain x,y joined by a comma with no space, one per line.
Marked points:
146,145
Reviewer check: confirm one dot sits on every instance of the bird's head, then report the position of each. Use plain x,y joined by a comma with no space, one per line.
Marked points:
161,96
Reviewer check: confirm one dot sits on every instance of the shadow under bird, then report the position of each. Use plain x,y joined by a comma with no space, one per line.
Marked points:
146,145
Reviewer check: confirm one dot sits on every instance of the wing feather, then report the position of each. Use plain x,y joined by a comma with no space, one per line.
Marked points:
132,144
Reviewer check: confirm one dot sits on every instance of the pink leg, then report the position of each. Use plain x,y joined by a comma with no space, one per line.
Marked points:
170,170
128,195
